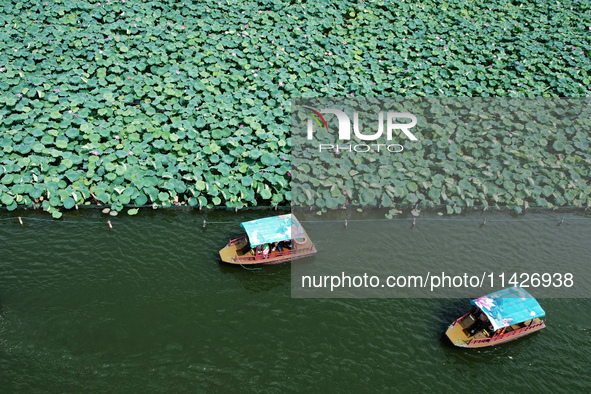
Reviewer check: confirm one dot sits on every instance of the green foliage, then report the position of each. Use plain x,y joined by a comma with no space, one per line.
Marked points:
470,152
191,102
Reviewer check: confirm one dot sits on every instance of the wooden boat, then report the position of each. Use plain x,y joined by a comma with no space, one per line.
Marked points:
269,241
497,318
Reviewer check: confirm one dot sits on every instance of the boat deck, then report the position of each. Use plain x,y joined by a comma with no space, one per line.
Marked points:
459,333
238,247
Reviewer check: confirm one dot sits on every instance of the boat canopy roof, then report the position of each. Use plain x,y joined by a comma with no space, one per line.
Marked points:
273,229
509,306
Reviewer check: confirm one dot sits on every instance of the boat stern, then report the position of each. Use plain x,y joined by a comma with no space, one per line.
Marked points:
228,253
235,247
455,333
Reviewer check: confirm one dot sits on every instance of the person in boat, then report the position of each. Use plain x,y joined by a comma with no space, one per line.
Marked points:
277,246
482,322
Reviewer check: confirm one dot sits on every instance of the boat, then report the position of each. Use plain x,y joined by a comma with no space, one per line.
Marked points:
497,318
272,240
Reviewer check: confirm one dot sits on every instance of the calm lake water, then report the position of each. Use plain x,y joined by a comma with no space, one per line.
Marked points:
147,307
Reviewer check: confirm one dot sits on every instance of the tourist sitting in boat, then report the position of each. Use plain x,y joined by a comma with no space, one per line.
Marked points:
481,323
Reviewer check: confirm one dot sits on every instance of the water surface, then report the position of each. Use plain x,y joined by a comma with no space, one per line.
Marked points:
147,307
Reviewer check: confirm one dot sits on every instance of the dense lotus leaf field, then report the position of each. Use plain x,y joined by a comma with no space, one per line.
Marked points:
167,102
496,152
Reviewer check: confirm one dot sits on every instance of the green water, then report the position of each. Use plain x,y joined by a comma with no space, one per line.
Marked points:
148,308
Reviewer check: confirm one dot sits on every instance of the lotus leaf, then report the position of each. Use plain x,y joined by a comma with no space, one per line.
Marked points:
176,99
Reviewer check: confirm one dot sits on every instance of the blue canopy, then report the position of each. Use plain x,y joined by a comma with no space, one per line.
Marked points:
273,229
509,306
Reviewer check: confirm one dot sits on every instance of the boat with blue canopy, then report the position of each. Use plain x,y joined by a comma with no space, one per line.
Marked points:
270,240
497,318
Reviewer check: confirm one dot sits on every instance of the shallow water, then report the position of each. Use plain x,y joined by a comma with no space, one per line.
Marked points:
147,307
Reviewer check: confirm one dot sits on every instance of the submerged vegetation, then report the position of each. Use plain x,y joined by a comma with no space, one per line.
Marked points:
161,102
